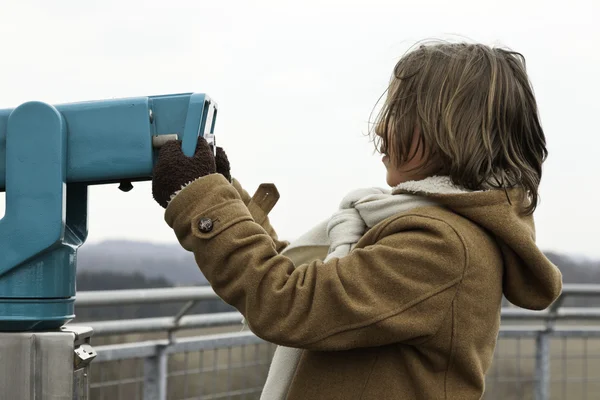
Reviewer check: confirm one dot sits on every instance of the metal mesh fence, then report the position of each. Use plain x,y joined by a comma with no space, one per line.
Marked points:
117,380
574,369
575,372
232,373
512,375
239,372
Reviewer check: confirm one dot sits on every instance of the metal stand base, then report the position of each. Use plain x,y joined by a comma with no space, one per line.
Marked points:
46,365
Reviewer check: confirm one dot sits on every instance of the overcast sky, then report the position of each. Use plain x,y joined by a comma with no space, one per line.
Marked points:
296,82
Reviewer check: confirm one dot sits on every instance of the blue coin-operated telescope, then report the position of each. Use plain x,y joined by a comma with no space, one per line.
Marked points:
48,157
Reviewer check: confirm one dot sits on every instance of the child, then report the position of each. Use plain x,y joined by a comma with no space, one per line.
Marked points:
406,305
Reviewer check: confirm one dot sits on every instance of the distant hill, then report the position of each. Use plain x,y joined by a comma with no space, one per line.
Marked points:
576,269
154,261
117,264
178,267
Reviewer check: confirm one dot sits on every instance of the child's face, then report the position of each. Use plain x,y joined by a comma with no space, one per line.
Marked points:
409,171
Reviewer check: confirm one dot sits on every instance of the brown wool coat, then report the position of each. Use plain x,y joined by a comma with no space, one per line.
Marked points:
412,312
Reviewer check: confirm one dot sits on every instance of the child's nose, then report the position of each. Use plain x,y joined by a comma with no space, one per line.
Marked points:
378,130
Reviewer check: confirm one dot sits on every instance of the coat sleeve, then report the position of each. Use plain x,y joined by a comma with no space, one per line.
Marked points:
398,289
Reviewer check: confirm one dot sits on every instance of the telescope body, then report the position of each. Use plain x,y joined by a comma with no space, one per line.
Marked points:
49,155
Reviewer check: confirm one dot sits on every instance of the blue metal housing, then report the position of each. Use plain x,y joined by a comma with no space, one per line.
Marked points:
48,157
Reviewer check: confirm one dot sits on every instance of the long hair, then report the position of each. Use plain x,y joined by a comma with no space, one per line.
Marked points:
475,112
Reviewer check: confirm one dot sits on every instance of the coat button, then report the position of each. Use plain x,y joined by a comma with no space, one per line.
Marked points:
205,225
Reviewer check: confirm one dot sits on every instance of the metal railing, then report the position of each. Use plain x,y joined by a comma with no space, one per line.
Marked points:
543,355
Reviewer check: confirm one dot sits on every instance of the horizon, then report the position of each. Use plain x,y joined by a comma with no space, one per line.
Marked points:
579,258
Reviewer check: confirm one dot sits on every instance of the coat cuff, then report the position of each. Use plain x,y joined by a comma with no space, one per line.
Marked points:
205,208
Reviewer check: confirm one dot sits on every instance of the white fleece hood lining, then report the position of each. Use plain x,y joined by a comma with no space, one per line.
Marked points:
431,185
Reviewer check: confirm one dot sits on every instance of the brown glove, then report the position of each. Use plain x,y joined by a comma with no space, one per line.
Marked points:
222,162
174,170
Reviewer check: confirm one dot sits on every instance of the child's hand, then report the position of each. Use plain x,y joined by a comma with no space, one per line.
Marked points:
174,170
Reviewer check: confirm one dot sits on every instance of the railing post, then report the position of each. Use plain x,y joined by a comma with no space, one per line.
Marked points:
155,375
542,366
